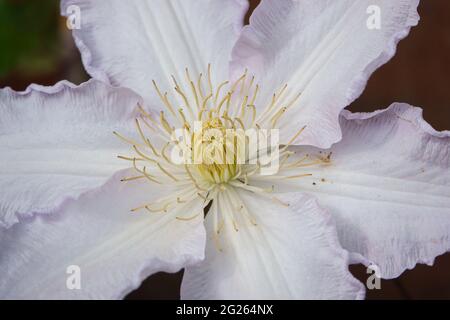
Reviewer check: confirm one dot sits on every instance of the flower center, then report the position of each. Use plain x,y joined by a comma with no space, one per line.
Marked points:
217,142
215,152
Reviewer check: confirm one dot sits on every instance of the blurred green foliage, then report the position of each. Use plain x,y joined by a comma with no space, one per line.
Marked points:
28,35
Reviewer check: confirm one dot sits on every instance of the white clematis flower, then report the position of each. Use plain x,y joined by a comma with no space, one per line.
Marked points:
382,192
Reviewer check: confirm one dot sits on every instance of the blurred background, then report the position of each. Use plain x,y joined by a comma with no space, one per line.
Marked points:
36,47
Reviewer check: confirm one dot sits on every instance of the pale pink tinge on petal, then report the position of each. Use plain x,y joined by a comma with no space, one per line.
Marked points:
325,50
388,188
57,143
98,239
131,43
291,253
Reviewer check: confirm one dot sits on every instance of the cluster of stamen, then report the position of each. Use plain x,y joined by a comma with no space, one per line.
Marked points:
228,106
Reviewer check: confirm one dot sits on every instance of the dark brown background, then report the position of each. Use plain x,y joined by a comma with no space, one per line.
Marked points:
419,74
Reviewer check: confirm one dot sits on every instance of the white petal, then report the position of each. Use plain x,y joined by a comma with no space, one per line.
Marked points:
323,49
129,43
388,187
292,253
56,146
114,249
